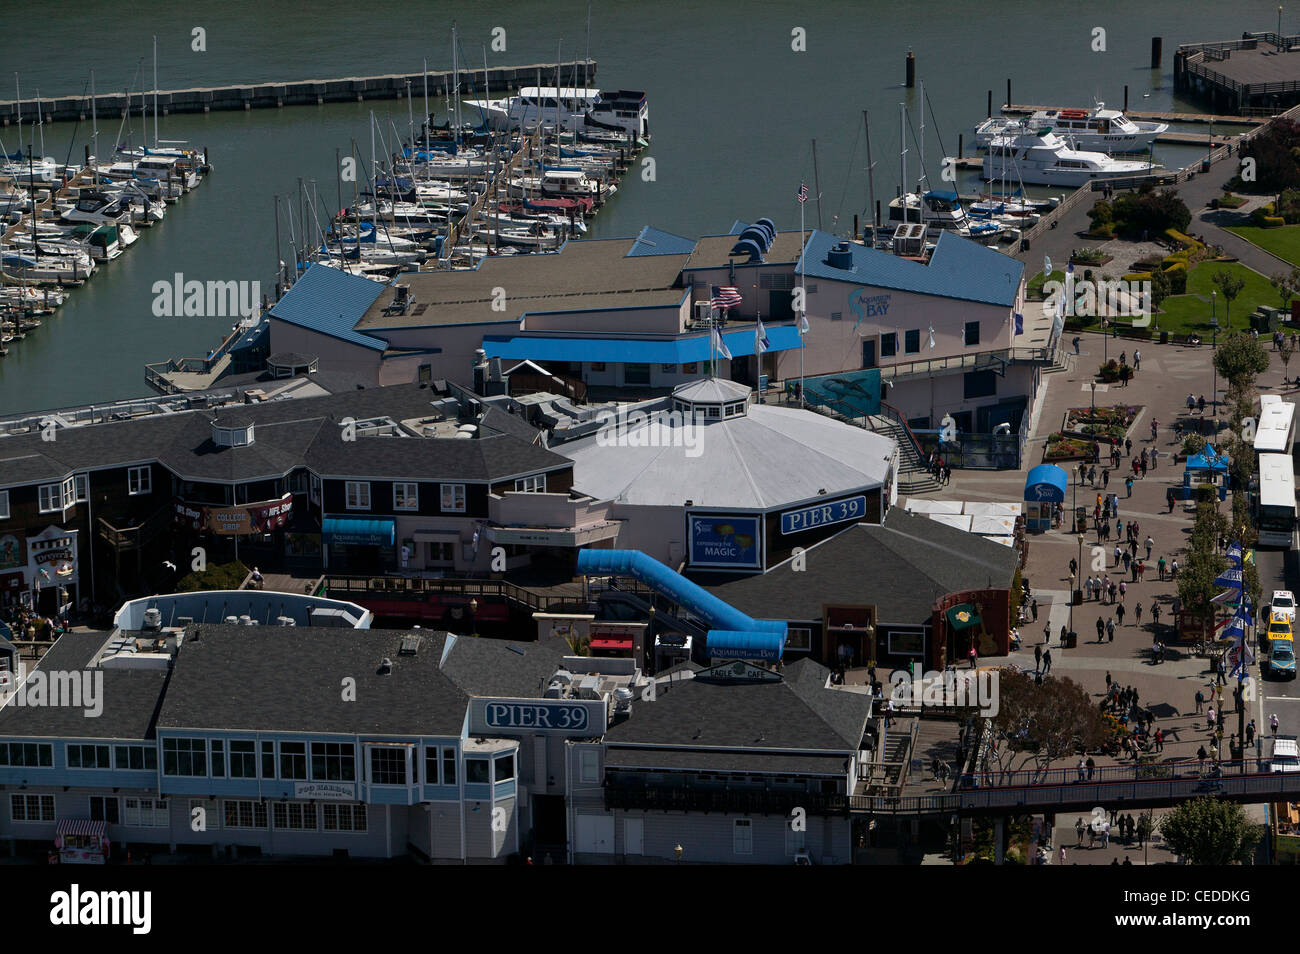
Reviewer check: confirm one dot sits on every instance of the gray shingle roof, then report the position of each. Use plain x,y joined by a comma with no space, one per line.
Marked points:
495,667
290,679
902,567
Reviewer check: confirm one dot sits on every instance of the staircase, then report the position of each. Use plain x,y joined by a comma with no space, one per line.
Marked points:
913,476
1062,360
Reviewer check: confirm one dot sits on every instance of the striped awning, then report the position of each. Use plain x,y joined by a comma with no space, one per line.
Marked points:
82,826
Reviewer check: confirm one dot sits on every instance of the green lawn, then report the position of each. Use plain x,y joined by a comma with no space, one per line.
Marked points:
1180,314
1034,287
1284,241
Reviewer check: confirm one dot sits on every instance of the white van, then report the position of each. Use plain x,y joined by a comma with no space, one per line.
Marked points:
1285,757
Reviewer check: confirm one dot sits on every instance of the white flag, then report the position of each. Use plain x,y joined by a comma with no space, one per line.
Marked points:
932,336
1047,267
761,343
721,345
803,323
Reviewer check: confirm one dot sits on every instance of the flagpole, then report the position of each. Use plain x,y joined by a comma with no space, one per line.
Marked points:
803,300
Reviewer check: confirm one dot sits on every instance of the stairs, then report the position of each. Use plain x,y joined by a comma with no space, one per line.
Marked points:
913,476
1062,360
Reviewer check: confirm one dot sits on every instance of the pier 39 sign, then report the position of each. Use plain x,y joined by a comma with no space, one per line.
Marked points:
573,717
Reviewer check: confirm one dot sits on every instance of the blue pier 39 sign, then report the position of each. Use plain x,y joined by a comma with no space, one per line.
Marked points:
837,511
723,540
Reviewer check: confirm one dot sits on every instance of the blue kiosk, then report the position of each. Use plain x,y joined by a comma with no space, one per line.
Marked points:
1044,489
1208,468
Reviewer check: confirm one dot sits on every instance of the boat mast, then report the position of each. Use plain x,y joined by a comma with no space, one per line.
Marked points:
871,180
817,185
424,123
155,92
18,99
455,87
920,180
94,128
902,156
40,116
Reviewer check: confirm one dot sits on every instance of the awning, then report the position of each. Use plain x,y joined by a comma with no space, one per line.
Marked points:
635,350
611,644
356,531
82,826
962,617
1046,483
435,536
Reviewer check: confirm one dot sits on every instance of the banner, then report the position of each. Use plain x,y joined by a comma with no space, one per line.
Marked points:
247,518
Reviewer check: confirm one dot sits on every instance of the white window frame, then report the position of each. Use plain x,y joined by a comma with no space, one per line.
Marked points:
410,495
4,505
358,817
742,844
353,491
81,485
50,498
41,804
536,484
453,493
588,766
139,481
137,815
253,806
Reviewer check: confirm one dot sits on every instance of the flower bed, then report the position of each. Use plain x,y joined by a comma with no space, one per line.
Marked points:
1109,424
1063,447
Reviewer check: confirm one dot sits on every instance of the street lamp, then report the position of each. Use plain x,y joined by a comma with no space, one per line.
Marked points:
1094,400
473,612
1077,574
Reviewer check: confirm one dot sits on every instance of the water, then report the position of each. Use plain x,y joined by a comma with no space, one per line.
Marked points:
733,111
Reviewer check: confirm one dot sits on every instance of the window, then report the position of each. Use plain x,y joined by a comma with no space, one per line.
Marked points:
27,754
598,366
139,480
443,551
295,816
406,496
69,492
31,808
293,761
244,814
590,767
980,384
971,336
358,495
243,758
89,757
431,765
81,484
668,368
476,772
889,345
912,341
636,373
691,367
798,639
4,505
742,837
333,762
388,765
104,808
795,841
531,485
449,766
184,757
145,812
268,760
136,757
218,758
211,813
503,768
345,817
51,498
453,498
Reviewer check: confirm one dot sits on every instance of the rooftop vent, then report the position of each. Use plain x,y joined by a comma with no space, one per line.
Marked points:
152,618
385,666
841,256
750,247
410,645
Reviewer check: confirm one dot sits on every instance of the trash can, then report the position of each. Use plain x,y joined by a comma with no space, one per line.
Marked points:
1078,597
1164,337
1080,519
1071,640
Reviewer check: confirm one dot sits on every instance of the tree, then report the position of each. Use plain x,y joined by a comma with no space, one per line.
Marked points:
1284,352
1046,721
1207,831
1274,159
1161,287
1230,287
1149,210
1287,286
1239,360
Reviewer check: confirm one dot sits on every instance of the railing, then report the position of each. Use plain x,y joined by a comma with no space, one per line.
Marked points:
126,538
894,414
157,378
419,588
1045,222
571,388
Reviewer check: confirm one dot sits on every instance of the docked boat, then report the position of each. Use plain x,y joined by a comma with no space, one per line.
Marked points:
536,237
1098,129
570,108
1043,158
42,267
98,208
942,211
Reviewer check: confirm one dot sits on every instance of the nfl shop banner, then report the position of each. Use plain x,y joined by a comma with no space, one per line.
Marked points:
247,518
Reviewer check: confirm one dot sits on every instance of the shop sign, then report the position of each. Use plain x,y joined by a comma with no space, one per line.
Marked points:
12,554
722,540
331,791
821,515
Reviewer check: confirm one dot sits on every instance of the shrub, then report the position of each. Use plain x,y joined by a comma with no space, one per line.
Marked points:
1177,274
1273,221
226,576
1182,239
1193,444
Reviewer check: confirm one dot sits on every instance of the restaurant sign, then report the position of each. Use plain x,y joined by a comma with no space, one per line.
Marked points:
330,791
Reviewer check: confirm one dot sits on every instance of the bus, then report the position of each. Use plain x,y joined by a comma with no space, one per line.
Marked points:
1275,432
1275,515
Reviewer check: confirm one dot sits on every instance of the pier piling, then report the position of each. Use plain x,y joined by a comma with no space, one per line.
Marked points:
1155,52
910,68
1008,100
990,107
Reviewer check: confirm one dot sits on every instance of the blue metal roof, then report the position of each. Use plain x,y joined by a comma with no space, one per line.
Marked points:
1046,482
654,241
731,644
330,301
959,268
635,350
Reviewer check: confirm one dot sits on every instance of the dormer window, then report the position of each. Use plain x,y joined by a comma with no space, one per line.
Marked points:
232,433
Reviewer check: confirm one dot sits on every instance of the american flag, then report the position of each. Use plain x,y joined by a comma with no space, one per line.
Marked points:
725,296
803,192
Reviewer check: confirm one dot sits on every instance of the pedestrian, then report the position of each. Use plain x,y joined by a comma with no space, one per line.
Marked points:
1154,454
1141,569
1250,732
1137,360
1117,554
1209,718
1173,569
1061,856
1047,631
1137,613
1128,446
1272,723
1105,478
1123,587
1076,344
1038,657
1128,561
1119,529
1062,634
1169,498
1047,661
1144,469
1160,565
1092,479
1092,767
1134,568
1107,682
1101,630
1128,487
1033,608
1074,566
1200,755
1078,831
1160,740
1200,404
1110,630
1119,616
1191,403
1081,769
974,656
1123,357
947,473
1105,834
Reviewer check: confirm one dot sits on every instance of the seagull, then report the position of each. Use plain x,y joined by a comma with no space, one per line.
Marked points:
170,565
1146,95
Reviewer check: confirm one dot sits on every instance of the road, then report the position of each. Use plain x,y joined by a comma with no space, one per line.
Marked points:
1278,570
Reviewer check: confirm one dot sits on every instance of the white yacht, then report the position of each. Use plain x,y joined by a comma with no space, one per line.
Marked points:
570,108
1098,129
1044,158
98,207
942,211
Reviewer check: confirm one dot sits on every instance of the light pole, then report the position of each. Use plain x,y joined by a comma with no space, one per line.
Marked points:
1214,346
473,612
1094,401
1077,575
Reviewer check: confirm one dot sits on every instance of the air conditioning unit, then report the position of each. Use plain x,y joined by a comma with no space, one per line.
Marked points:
703,311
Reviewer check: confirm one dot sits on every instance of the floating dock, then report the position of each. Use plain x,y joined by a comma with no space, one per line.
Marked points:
1256,74
1159,117
313,92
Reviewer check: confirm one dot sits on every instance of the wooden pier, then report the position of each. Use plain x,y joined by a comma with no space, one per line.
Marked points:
312,92
1259,72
